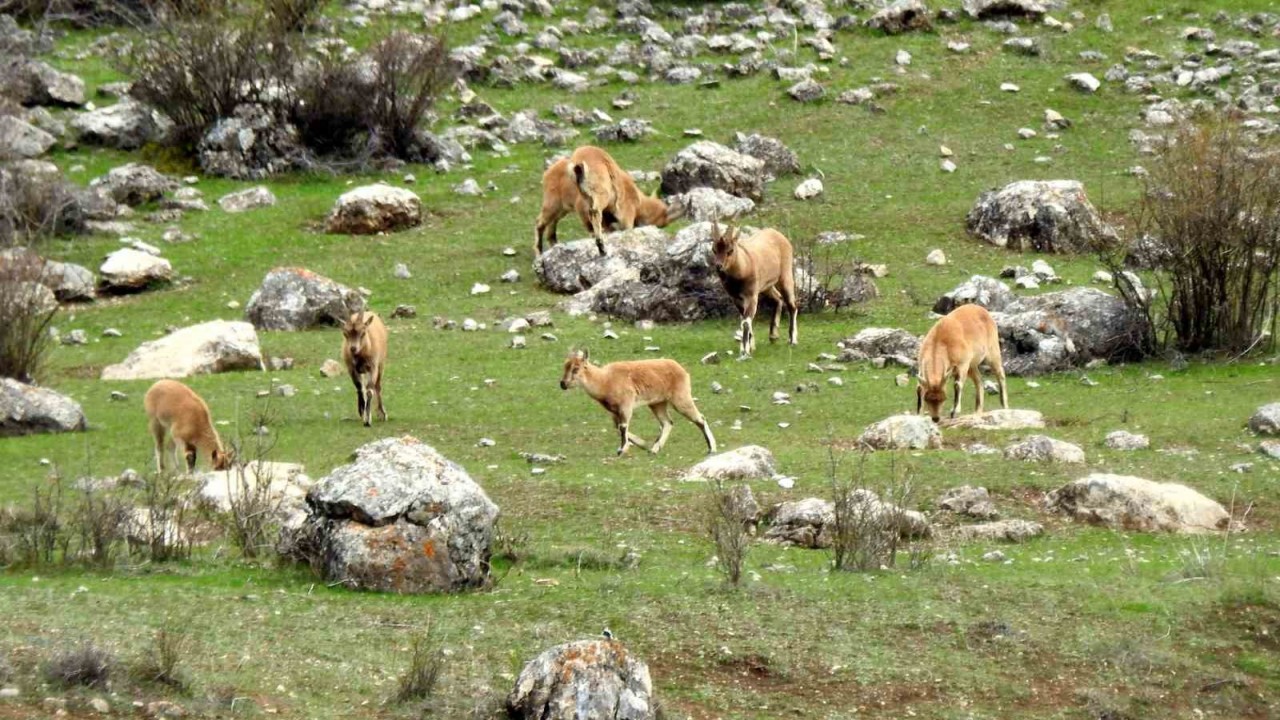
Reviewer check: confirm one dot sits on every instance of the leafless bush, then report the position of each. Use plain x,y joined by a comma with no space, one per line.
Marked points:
869,518
426,666
254,505
27,309
34,535
830,276
98,522
1212,199
410,72
289,16
36,205
728,530
161,531
162,661
85,665
97,13
332,107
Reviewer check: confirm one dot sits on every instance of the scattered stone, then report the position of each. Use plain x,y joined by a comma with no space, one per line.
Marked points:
1000,419
809,189
293,298
247,199
807,91
970,501
404,312
134,184
881,343
1135,504
1266,420
778,159
128,270
211,347
330,368
468,187
936,257
127,125
1084,82
1123,440
901,16
1042,448
374,209
809,523
994,556
1013,531
510,276
401,272
708,164
980,290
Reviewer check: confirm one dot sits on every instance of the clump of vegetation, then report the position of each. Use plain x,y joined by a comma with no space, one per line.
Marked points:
1212,204
168,503
99,520
728,530
251,522
85,665
27,309
869,519
420,680
163,660
33,536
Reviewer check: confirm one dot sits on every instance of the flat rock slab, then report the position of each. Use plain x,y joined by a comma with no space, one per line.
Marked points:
26,409
211,347
997,420
1014,531
1124,502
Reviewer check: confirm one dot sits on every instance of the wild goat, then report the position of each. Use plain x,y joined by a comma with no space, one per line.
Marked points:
177,415
364,350
609,197
955,346
760,264
621,386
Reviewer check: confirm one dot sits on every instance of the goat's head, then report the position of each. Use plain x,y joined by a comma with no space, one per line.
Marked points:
655,211
723,244
222,459
354,328
573,367
931,396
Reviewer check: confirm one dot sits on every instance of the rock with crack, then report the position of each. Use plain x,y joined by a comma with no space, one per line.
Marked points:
988,292
881,343
293,298
400,518
709,164
27,409
211,347
127,125
901,432
1000,419
584,680
1013,531
1052,216
1135,504
750,462
704,204
372,209
1042,448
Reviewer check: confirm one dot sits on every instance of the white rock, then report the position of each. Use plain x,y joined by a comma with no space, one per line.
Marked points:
936,257
750,462
211,347
809,189
1135,504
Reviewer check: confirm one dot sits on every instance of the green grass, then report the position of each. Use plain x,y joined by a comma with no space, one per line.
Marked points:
1095,618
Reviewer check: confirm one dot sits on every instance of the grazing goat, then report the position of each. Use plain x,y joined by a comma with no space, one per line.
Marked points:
607,191
177,415
620,386
760,264
364,350
955,346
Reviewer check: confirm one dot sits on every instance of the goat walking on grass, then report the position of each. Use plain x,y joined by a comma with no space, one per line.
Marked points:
621,386
954,348
178,416
763,263
364,350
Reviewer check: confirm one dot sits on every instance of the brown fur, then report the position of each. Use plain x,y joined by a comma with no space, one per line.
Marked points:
954,348
621,386
607,190
760,264
364,351
177,416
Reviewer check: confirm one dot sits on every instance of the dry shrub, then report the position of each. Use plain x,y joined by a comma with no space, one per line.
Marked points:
85,665
251,522
426,666
728,530
831,277
26,312
98,522
162,661
1212,199
33,535
410,72
868,518
98,13
35,204
161,530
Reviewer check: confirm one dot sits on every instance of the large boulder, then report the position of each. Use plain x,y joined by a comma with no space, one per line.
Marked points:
901,16
1266,420
20,139
1060,330
988,292
901,432
1052,216
710,164
400,518
1131,503
1000,419
1014,531
127,125
584,680
373,209
134,184
704,204
251,144
28,409
292,298
876,342
210,347
47,85
778,159
1042,448
127,270
750,462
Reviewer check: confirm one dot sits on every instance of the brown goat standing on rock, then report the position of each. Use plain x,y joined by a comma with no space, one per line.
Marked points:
177,415
954,347
621,386
760,264
606,197
364,350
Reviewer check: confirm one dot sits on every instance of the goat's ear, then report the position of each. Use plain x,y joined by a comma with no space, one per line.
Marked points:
585,354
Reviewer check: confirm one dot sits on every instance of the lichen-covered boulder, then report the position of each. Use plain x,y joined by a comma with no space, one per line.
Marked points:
1052,216
210,347
1131,503
292,298
28,409
584,680
399,518
709,164
778,159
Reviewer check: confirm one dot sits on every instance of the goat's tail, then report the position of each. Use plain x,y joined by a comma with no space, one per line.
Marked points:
580,176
